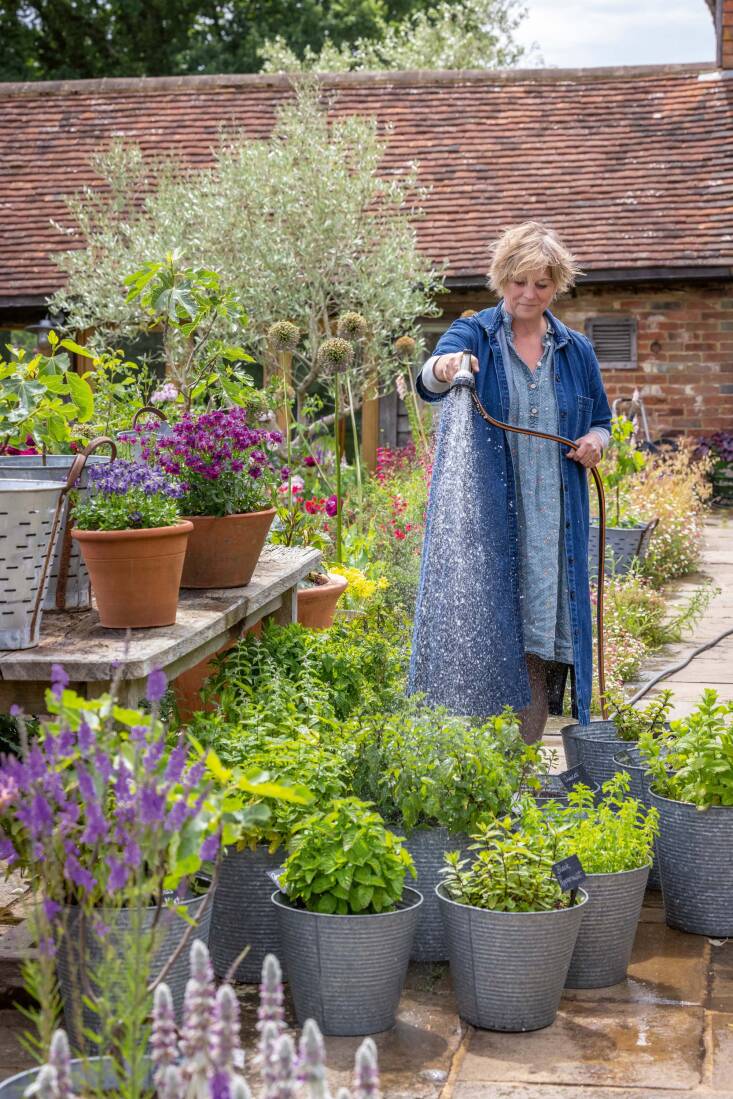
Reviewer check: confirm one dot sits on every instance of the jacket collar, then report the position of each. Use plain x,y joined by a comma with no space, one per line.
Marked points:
490,320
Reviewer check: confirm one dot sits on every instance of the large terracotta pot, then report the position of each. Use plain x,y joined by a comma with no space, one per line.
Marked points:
224,550
317,605
136,574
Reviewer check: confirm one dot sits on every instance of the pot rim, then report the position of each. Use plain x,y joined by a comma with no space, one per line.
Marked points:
148,907
703,810
234,515
334,581
12,484
275,898
494,912
618,873
131,533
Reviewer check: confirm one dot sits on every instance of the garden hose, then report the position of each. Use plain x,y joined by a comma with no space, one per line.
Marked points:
672,668
464,377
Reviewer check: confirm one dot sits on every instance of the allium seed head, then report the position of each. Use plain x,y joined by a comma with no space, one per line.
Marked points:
405,348
352,326
283,336
335,354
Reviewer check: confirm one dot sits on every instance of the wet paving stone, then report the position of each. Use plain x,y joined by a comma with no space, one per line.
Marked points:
721,975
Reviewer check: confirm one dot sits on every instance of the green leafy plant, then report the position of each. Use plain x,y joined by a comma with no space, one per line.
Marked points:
42,398
631,721
344,861
622,462
693,760
422,766
512,867
617,834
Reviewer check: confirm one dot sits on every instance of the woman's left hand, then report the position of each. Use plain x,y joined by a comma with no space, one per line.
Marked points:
589,450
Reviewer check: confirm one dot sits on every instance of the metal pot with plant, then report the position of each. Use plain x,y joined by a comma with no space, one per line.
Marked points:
436,776
691,768
346,919
627,536
511,926
614,841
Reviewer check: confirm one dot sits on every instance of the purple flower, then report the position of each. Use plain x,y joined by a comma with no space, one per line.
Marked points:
59,681
96,828
7,851
309,461
86,737
152,804
16,710
77,874
332,506
36,816
176,763
132,853
46,946
220,1086
51,909
210,847
118,874
157,685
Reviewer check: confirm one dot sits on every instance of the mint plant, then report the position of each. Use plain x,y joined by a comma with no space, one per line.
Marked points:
631,722
512,867
618,834
422,766
693,761
344,861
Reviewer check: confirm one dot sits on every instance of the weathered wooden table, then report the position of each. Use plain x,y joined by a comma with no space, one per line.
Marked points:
207,622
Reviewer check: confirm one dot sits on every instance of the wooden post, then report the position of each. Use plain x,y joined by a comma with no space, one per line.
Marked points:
370,425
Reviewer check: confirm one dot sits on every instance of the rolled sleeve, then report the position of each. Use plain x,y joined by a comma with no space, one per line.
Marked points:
601,417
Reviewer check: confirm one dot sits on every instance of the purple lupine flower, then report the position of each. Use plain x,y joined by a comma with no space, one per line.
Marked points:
157,685
59,681
366,1073
164,1037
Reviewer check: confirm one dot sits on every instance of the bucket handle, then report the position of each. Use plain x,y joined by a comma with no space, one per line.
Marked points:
149,408
74,474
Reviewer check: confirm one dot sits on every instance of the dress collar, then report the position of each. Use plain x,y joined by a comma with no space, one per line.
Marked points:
506,321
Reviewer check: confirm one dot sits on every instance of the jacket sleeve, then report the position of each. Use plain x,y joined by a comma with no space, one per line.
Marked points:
601,416
462,334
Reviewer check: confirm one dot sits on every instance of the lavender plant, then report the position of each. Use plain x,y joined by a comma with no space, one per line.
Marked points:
204,1059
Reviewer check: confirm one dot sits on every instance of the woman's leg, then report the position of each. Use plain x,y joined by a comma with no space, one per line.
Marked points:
533,718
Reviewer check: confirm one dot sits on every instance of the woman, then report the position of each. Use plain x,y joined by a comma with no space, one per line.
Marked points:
533,371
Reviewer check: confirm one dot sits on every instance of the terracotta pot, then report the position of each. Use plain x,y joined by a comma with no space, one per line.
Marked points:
135,574
317,605
224,550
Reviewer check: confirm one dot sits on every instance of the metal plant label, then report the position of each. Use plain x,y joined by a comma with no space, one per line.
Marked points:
574,776
569,873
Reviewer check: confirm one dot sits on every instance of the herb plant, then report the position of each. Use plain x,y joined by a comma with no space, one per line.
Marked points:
622,462
693,761
128,496
631,721
422,766
42,398
344,861
618,834
512,868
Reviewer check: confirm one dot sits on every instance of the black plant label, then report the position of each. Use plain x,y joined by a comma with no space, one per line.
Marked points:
569,873
574,776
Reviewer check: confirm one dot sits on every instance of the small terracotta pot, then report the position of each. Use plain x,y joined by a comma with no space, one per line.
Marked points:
317,605
135,574
223,551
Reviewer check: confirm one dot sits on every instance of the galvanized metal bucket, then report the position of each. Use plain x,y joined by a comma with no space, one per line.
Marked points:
594,746
553,790
80,951
427,847
508,968
28,533
629,760
606,938
94,1073
623,546
696,866
347,972
243,915
68,585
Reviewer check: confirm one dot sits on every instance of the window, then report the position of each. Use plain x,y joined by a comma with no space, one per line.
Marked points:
614,340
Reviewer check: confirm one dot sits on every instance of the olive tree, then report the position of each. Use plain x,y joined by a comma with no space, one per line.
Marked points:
302,226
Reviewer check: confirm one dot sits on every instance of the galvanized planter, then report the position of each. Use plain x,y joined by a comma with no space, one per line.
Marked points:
594,746
606,937
243,915
696,866
75,591
427,847
508,968
629,760
623,546
553,790
80,949
95,1072
27,510
347,972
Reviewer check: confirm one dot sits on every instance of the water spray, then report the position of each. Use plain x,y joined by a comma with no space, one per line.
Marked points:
465,378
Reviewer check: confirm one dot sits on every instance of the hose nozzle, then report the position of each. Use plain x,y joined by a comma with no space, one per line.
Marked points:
464,376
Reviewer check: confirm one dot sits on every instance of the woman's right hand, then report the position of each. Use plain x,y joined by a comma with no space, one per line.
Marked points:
447,366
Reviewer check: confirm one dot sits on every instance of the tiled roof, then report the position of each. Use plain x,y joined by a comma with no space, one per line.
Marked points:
633,166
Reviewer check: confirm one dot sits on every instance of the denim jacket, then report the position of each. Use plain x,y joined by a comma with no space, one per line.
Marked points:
582,405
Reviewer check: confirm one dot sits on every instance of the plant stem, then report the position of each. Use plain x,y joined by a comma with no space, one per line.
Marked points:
337,442
357,448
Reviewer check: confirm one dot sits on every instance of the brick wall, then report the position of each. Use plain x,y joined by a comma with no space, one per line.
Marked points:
684,347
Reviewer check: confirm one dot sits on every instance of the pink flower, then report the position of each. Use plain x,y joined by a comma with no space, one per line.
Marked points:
332,506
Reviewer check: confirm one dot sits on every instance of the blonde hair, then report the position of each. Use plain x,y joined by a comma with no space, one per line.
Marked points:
531,246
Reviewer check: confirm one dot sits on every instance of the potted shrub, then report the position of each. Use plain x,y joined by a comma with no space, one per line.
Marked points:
133,541
627,537
435,777
243,915
691,766
227,473
204,1056
595,745
614,842
511,929
346,919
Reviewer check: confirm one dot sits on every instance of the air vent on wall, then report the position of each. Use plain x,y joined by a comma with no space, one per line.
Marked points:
614,340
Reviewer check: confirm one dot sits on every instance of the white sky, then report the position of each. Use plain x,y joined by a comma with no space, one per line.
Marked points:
579,33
